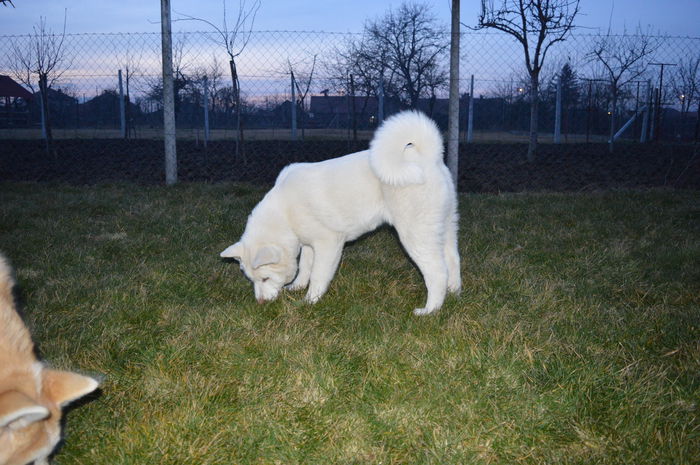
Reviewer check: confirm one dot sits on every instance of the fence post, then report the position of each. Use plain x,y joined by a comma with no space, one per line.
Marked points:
168,95
294,109
470,122
557,114
453,105
380,102
206,111
652,118
122,111
645,120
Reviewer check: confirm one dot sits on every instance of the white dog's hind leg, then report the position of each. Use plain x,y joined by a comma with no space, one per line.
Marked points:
326,258
306,260
434,273
428,256
454,276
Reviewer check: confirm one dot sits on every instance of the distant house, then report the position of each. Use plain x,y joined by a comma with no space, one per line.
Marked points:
336,111
104,110
13,101
10,88
62,108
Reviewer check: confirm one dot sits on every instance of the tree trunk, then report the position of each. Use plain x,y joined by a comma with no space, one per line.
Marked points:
237,101
613,114
534,109
44,89
697,123
352,106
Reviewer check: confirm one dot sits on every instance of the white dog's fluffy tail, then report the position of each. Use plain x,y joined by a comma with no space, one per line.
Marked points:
403,146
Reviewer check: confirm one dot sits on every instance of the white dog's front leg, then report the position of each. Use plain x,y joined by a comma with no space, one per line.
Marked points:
326,256
306,260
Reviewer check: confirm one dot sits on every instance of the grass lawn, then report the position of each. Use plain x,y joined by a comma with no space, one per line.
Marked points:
576,338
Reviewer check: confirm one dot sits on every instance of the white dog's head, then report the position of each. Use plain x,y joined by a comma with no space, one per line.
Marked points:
269,267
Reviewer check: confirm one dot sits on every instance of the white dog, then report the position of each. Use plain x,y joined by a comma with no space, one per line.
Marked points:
315,208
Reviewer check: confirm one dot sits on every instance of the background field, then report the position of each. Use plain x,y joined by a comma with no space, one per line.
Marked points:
575,339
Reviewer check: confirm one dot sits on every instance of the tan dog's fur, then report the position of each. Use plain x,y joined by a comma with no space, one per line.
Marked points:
31,395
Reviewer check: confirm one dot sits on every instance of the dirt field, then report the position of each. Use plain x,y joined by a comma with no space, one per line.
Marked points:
483,167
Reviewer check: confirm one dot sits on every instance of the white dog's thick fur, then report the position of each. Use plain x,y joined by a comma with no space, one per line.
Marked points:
314,208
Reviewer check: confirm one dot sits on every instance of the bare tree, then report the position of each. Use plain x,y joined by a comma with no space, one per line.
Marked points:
686,82
181,78
44,60
624,58
537,25
359,67
686,85
132,65
401,52
409,43
234,37
302,82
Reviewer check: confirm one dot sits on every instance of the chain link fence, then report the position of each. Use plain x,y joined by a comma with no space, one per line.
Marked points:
105,103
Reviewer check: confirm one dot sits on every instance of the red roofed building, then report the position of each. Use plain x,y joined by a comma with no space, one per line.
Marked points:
10,88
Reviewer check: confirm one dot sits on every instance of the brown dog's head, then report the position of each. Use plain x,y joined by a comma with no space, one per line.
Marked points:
31,395
30,411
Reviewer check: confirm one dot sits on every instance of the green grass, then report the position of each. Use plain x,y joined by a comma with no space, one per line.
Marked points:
576,338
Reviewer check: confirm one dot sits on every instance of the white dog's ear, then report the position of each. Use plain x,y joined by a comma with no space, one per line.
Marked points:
233,251
268,255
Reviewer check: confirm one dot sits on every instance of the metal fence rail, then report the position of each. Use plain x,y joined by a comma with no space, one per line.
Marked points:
86,99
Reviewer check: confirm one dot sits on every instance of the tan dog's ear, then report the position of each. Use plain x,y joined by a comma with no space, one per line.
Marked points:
233,251
17,410
64,387
268,255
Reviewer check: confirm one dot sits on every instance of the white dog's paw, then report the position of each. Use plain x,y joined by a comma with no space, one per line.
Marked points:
295,286
311,298
454,289
423,311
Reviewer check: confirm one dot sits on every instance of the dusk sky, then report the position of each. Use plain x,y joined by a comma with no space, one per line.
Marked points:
673,17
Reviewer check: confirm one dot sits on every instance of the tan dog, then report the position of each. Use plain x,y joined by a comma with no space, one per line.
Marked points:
31,395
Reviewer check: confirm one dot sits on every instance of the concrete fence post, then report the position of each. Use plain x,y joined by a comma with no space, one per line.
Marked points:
169,133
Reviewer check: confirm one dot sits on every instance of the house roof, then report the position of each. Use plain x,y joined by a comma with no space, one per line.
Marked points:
10,88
